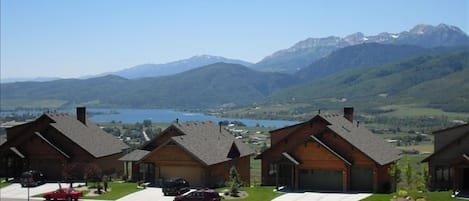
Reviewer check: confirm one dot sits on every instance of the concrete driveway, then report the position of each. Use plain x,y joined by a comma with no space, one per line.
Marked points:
16,191
315,196
148,194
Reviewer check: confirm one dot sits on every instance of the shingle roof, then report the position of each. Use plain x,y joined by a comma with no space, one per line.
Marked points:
363,139
209,143
135,155
449,144
90,137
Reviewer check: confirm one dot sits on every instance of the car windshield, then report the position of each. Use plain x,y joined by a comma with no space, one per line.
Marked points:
170,183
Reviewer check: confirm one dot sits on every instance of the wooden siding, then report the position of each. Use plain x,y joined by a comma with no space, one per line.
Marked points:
313,155
444,137
218,174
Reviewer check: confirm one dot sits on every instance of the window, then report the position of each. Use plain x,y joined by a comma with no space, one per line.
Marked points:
442,173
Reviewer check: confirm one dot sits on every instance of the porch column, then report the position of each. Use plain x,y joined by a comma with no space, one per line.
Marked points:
276,176
345,179
296,178
292,183
375,179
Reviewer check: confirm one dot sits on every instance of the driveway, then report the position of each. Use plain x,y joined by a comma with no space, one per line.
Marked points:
16,191
314,196
148,194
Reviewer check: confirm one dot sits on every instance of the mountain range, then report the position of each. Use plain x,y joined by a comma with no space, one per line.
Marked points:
155,70
309,50
434,74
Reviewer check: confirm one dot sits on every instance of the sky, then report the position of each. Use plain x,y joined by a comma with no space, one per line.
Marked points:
56,38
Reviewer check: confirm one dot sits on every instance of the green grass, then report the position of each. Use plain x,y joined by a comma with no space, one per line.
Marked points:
255,172
32,104
3,183
118,190
429,196
258,193
415,111
422,148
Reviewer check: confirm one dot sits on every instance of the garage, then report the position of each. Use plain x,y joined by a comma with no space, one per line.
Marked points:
192,174
362,179
320,179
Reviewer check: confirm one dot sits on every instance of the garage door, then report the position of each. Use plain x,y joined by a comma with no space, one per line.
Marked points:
320,179
362,179
192,174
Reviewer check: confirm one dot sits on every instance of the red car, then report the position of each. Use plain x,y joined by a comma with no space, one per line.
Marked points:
199,195
63,194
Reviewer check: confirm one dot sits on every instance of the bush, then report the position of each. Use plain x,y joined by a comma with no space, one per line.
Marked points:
402,193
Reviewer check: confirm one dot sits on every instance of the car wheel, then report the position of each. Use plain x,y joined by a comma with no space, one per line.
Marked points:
69,199
47,198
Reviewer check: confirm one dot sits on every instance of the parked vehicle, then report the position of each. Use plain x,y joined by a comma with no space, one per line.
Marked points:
63,194
176,186
32,178
199,195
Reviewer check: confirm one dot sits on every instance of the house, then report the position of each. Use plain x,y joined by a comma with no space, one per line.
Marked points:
329,152
448,166
200,152
56,141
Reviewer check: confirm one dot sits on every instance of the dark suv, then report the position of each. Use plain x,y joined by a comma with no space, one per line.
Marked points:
176,186
199,195
32,178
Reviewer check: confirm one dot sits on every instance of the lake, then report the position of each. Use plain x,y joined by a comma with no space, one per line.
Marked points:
98,115
168,115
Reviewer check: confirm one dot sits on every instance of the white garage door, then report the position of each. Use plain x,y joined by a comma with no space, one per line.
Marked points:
192,174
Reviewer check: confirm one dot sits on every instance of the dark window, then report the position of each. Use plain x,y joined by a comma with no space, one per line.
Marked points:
442,173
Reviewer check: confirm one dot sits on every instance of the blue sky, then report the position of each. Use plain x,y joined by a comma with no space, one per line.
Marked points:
56,38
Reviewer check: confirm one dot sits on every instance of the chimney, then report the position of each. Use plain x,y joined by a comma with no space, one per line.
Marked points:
177,120
219,124
81,114
348,113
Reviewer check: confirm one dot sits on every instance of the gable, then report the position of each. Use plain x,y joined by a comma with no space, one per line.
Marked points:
446,136
279,134
313,154
161,138
37,147
372,146
451,151
344,148
362,139
88,136
234,152
298,135
171,154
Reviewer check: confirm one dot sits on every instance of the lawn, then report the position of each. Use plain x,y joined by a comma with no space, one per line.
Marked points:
415,110
118,190
422,148
3,183
429,196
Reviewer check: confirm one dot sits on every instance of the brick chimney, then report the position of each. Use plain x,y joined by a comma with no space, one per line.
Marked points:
348,113
81,114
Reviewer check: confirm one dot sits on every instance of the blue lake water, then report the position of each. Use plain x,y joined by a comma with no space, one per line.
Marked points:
167,115
159,115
